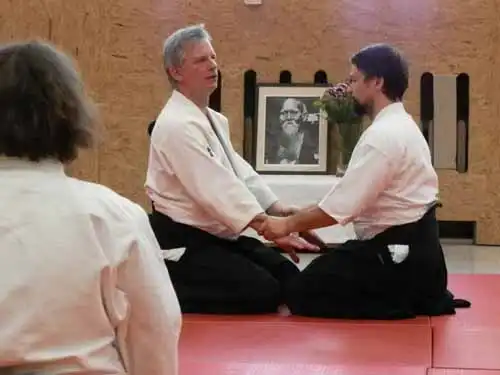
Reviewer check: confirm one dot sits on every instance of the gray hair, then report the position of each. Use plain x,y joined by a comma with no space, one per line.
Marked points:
173,48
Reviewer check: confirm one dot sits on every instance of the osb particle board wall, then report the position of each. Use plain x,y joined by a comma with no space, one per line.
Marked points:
118,47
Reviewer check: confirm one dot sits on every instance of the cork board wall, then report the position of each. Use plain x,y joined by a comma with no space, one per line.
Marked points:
117,45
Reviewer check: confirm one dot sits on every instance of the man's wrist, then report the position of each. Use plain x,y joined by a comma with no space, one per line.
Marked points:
276,209
279,209
291,224
257,221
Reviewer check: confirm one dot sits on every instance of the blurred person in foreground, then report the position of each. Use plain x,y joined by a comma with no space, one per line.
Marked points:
84,288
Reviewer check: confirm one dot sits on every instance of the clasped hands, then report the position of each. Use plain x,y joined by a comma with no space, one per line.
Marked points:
274,228
279,230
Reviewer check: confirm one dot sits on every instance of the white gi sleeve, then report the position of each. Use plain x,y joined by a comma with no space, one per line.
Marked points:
216,188
154,323
366,177
255,183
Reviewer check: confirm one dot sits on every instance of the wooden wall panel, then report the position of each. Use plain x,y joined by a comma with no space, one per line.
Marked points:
444,134
118,47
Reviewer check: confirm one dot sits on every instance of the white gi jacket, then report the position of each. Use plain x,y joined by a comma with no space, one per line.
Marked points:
190,178
83,285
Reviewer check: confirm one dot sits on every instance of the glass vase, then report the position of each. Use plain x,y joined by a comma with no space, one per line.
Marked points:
342,138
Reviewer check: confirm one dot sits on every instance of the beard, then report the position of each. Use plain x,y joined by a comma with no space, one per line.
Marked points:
290,128
361,109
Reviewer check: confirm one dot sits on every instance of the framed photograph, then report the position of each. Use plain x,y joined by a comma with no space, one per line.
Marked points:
290,134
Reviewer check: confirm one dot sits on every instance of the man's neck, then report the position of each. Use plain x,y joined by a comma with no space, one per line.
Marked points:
379,105
201,100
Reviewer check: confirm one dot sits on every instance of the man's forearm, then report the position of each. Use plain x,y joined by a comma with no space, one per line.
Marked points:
310,218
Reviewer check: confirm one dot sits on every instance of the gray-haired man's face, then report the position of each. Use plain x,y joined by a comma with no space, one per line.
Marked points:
198,71
290,117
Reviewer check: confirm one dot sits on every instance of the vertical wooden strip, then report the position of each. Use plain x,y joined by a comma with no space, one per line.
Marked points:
463,122
320,77
445,122
215,98
427,105
249,99
285,76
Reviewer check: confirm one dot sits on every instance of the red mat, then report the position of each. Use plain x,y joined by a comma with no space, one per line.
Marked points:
467,349
306,343
471,338
276,318
483,291
235,368
465,344
448,371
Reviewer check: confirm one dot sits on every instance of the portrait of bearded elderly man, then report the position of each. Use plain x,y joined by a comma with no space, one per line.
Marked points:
296,138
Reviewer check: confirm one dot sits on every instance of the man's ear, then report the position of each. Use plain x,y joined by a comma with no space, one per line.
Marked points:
379,83
174,73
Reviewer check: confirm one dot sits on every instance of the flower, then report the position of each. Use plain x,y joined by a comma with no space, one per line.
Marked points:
338,91
338,105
